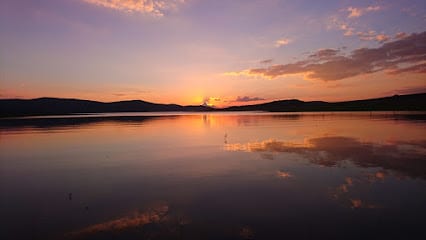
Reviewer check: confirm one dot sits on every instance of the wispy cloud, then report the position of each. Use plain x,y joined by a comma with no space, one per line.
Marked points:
401,35
418,68
324,53
154,7
349,30
354,12
407,55
282,42
382,38
407,90
266,61
247,99
237,73
373,36
129,92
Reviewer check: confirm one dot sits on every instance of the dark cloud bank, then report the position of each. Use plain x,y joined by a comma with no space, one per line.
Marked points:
406,55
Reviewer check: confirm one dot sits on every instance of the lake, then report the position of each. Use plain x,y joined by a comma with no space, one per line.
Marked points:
229,175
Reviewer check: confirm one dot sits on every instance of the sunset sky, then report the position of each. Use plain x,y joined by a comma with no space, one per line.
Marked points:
217,52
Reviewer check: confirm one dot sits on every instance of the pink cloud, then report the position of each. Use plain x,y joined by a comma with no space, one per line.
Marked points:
282,42
358,12
330,65
154,7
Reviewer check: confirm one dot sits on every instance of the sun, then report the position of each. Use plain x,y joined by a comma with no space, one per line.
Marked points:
207,104
211,101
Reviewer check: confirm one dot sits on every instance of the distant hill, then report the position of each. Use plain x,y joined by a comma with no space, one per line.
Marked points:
412,102
55,106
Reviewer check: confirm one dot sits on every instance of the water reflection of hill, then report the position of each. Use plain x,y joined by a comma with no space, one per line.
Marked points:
238,118
66,122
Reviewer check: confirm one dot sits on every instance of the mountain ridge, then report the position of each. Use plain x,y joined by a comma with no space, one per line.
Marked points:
59,106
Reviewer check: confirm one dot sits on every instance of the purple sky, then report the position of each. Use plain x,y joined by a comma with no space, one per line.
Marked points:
216,52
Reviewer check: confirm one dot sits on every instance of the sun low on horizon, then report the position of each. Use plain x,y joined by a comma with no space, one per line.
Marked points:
213,53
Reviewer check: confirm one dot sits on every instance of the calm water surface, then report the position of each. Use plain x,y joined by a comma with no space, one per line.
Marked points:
214,176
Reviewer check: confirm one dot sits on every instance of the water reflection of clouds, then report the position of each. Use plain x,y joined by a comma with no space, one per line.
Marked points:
270,145
406,158
358,203
166,225
284,174
348,193
246,233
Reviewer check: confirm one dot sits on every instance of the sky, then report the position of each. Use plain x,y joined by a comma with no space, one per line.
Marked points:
214,52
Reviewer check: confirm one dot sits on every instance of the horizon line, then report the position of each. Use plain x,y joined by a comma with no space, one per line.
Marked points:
247,103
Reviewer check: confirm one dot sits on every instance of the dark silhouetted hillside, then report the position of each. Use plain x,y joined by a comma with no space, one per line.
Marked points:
412,102
56,106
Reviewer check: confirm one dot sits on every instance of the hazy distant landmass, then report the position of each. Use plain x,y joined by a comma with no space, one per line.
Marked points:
55,106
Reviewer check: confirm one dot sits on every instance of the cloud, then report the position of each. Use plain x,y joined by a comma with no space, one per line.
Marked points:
266,61
154,7
349,30
325,53
408,90
358,12
407,55
237,73
129,92
373,8
354,12
419,68
372,35
210,101
382,38
401,35
282,42
119,94
247,99
336,22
